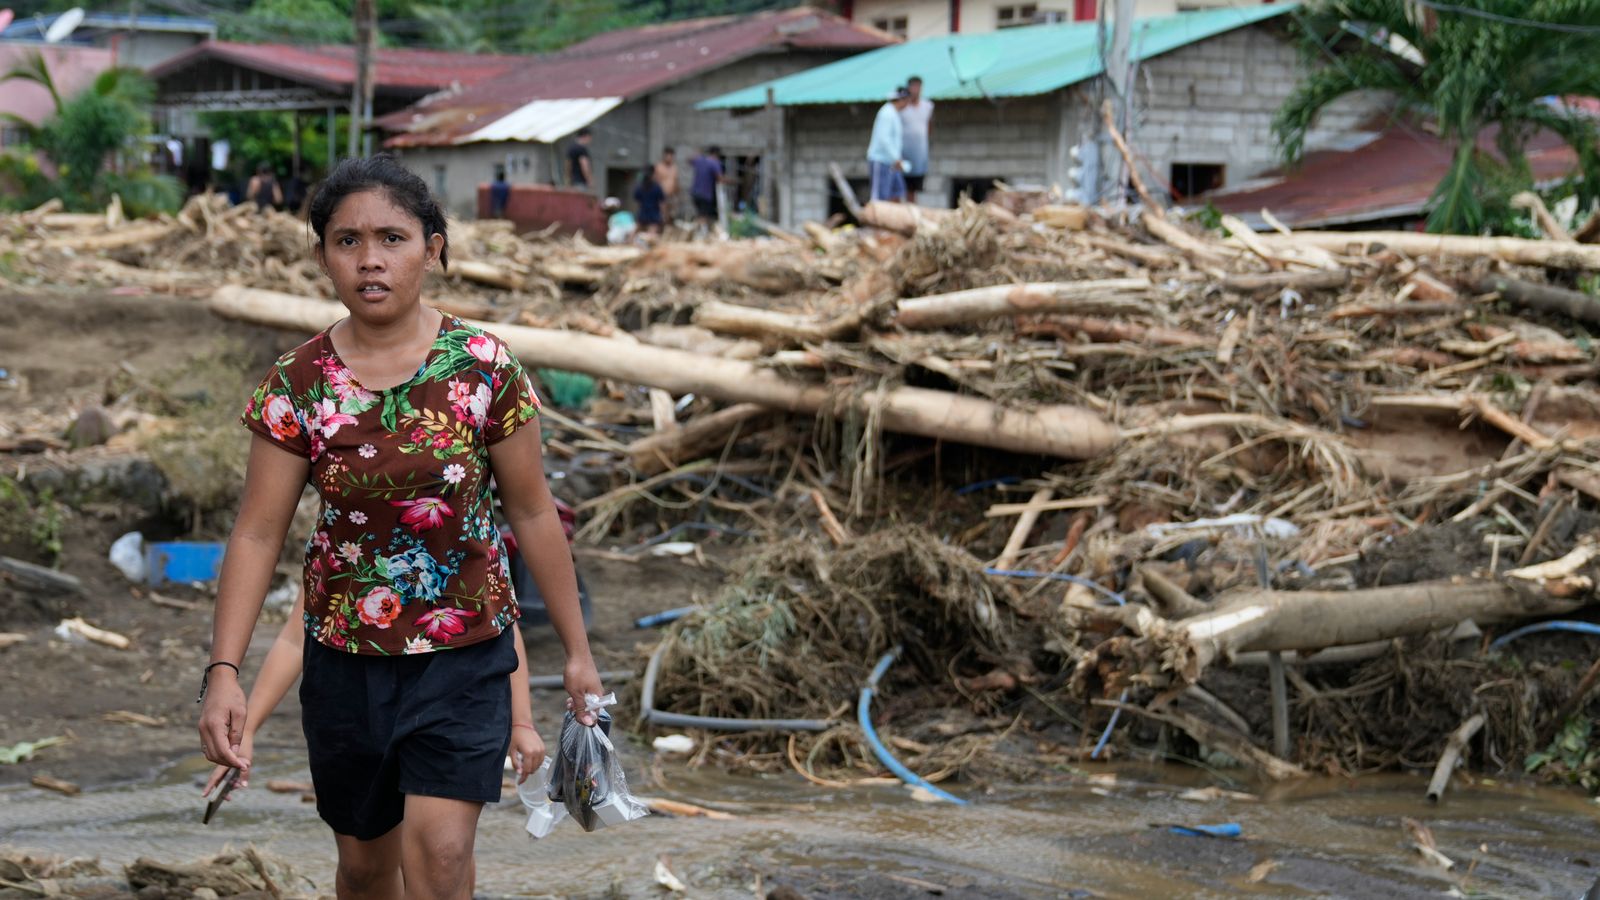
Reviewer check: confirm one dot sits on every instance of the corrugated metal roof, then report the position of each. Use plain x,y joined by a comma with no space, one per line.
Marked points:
1390,177
1013,62
545,121
333,67
630,63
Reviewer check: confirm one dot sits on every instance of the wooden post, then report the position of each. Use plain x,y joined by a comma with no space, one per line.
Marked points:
365,14
294,168
769,161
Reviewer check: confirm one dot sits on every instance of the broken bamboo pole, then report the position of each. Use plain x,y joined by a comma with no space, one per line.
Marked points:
1109,295
1057,430
1550,254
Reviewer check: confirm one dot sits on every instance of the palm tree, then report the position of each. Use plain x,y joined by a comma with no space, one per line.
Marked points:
1466,66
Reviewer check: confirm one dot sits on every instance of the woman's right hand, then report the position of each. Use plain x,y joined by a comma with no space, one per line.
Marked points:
246,748
222,720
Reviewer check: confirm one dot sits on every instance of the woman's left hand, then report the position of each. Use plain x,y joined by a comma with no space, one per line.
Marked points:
527,751
582,678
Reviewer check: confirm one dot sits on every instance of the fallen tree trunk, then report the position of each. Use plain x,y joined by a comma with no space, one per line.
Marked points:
1059,430
1111,295
1551,254
659,452
484,273
748,321
1323,280
1308,620
1543,297
904,218
122,237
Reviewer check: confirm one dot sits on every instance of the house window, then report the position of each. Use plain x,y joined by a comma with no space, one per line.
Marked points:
838,210
975,188
1193,179
895,25
1015,16
439,173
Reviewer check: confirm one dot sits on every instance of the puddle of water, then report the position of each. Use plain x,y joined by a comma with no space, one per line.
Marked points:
1324,838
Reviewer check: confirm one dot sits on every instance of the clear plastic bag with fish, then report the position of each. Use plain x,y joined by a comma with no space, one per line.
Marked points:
586,776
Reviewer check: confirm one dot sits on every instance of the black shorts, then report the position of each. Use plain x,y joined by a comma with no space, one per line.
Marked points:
914,183
381,727
705,207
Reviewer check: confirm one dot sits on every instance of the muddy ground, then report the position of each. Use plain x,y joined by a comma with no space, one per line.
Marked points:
1091,831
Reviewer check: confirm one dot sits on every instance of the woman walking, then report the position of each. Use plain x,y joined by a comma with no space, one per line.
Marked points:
399,416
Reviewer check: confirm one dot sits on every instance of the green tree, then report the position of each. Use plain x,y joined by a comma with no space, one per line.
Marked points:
101,125
1467,66
268,137
291,21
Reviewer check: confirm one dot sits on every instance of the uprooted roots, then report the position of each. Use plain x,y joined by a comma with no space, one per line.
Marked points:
798,634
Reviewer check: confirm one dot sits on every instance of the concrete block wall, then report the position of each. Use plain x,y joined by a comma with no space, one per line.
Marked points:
1213,102
1014,140
454,173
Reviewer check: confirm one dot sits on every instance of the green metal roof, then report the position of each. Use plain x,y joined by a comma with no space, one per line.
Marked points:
1013,62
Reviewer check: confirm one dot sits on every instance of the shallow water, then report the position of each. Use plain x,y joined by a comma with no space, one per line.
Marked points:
1102,837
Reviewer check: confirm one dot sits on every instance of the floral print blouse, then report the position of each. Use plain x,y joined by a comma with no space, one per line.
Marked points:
406,557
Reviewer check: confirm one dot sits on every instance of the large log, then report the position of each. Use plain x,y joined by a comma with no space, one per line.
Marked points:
1118,295
749,321
905,218
1551,254
1543,297
123,237
661,451
1060,430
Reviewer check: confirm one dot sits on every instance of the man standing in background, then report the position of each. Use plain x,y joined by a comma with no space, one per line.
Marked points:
917,121
666,175
886,151
703,189
580,172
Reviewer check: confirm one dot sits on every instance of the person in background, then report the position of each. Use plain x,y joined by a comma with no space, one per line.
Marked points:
650,195
620,224
294,194
916,120
263,189
666,175
580,171
886,151
703,188
499,193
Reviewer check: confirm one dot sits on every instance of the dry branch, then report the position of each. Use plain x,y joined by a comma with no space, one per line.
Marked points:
660,452
1550,254
1543,297
1117,295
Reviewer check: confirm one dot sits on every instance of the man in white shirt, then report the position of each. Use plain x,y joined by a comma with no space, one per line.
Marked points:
886,151
916,120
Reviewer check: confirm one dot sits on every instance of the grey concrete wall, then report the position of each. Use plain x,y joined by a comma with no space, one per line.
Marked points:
1213,102
1014,140
454,173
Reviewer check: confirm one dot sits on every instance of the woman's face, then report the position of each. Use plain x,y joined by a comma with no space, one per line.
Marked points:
376,255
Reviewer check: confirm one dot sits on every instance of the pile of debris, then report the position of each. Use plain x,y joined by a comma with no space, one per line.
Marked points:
247,874
1202,445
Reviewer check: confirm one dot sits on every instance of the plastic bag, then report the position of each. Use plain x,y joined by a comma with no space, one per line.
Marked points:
535,794
587,776
127,554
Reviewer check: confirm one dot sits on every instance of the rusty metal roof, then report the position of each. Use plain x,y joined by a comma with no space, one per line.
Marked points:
624,64
1390,177
333,67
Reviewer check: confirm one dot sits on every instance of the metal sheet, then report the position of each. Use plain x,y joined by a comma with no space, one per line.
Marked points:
545,121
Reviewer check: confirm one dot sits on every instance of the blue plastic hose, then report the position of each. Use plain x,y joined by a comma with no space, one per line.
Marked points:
1558,625
864,718
1116,714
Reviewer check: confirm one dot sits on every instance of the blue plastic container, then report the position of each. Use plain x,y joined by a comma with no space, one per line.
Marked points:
182,561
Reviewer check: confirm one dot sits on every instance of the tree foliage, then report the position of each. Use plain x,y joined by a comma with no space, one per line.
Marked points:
102,124
1479,79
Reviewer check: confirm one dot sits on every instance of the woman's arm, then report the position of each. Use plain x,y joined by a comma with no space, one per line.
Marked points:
278,673
527,747
531,513
273,481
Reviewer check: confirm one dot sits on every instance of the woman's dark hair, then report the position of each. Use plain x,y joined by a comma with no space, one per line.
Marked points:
382,172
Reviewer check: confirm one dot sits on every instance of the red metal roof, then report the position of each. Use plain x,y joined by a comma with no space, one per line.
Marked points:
627,64
1390,177
333,67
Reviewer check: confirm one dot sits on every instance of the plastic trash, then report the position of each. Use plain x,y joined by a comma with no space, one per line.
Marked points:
127,554
587,776
283,596
1222,830
535,795
183,561
673,743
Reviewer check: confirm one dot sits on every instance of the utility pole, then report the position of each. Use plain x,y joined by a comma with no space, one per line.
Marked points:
1119,75
366,22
